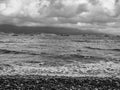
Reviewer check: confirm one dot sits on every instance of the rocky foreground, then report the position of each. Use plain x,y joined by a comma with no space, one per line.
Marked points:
58,83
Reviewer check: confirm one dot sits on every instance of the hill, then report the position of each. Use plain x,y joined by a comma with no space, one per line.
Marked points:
43,29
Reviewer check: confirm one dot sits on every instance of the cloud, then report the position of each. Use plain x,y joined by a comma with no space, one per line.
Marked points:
59,11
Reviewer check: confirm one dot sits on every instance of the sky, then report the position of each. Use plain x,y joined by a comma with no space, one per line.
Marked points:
101,14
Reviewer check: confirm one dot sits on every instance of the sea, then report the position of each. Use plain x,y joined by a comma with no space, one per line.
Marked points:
60,54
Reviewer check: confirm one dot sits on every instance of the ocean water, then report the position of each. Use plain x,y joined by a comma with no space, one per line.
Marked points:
51,54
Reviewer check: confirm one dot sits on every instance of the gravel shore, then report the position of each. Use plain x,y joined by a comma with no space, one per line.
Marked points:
58,83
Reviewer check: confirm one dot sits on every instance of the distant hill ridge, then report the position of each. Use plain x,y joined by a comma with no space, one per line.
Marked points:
43,29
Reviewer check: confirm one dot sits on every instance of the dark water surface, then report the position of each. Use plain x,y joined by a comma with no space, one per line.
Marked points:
53,54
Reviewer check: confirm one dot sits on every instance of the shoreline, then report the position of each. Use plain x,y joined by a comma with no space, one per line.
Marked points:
64,75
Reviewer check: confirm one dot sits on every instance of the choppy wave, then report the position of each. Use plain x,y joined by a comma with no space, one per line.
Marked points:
59,54
115,49
5,51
